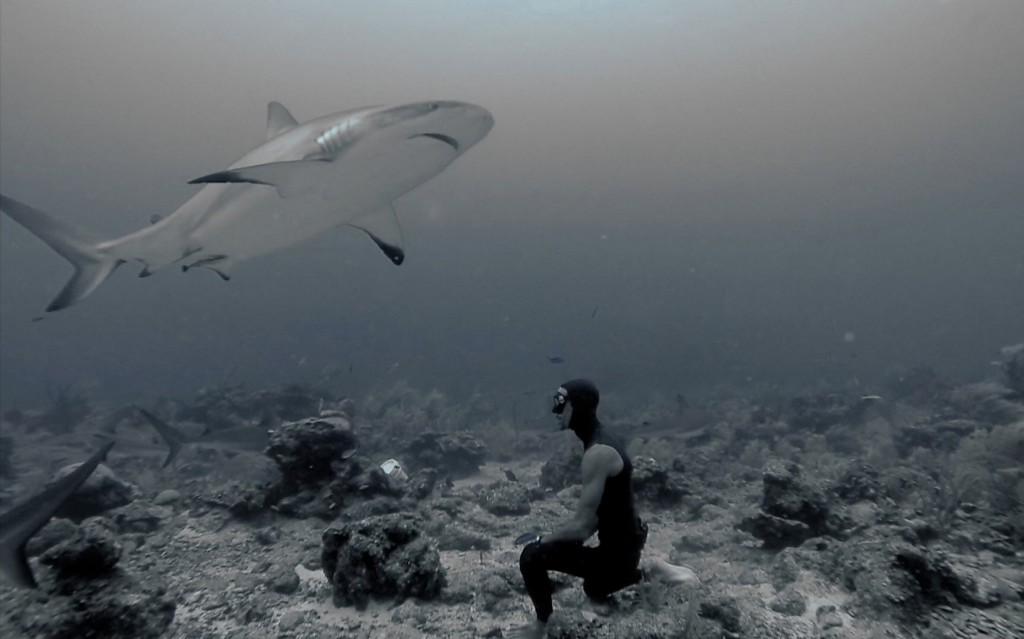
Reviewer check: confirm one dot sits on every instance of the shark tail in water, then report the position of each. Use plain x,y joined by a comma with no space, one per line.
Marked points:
170,435
18,524
92,265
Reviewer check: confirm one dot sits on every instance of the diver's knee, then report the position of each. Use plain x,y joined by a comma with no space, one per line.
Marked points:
530,556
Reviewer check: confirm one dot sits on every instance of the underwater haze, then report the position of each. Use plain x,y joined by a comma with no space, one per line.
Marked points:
675,195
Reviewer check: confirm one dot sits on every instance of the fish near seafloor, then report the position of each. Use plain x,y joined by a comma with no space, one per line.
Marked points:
229,440
18,524
339,169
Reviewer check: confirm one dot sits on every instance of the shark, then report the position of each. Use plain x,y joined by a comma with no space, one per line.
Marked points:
229,440
346,168
24,520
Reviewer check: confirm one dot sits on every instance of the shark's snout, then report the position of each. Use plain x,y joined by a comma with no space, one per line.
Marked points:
476,123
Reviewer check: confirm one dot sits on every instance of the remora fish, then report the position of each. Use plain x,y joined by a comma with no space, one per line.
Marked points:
230,440
344,168
18,524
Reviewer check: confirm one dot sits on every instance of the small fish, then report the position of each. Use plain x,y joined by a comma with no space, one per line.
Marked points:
871,398
593,313
555,359
509,475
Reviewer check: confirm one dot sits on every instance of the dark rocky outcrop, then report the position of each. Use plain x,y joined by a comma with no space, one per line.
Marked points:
792,510
119,608
943,435
86,594
381,557
562,469
505,498
858,482
457,455
91,552
101,492
307,450
655,485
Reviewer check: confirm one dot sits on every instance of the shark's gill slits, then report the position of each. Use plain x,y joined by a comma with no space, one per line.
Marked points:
337,137
447,139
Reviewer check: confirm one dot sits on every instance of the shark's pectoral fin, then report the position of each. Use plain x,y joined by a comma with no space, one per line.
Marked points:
219,264
292,178
382,227
279,119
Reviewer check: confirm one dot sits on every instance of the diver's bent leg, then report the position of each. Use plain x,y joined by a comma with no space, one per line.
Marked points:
538,558
619,569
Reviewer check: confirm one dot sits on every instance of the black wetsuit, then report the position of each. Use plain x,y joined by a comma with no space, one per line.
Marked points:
612,565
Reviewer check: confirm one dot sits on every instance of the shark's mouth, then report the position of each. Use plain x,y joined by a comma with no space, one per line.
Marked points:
447,139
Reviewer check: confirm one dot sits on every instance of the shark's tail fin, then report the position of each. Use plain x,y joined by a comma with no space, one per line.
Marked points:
92,266
168,432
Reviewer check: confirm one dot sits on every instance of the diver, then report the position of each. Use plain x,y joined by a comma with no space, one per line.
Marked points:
606,507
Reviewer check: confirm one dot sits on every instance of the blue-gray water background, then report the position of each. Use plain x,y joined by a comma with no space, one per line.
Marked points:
675,194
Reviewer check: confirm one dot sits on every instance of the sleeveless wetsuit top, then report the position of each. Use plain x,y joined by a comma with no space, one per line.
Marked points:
616,514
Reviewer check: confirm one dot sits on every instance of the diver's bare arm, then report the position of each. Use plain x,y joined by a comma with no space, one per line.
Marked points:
597,466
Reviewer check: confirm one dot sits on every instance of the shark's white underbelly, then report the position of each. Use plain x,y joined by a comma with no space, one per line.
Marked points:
258,221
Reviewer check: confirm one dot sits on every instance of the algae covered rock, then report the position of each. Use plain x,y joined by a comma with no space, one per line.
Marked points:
92,552
306,450
459,455
656,485
505,498
793,510
102,491
385,556
562,469
120,608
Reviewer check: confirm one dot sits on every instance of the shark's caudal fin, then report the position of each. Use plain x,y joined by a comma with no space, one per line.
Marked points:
92,266
18,524
171,435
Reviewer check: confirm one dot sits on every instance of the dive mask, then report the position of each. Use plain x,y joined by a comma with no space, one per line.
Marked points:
559,400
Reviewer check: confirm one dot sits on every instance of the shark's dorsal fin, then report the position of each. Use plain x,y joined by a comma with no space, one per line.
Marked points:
279,119
18,524
382,227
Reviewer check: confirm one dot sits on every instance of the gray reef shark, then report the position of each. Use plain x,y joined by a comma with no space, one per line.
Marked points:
18,524
344,168
229,441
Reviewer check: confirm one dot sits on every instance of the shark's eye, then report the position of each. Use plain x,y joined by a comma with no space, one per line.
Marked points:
434,106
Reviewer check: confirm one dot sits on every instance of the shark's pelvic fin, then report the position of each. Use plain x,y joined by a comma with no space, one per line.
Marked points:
18,524
92,266
382,227
279,119
171,435
296,177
